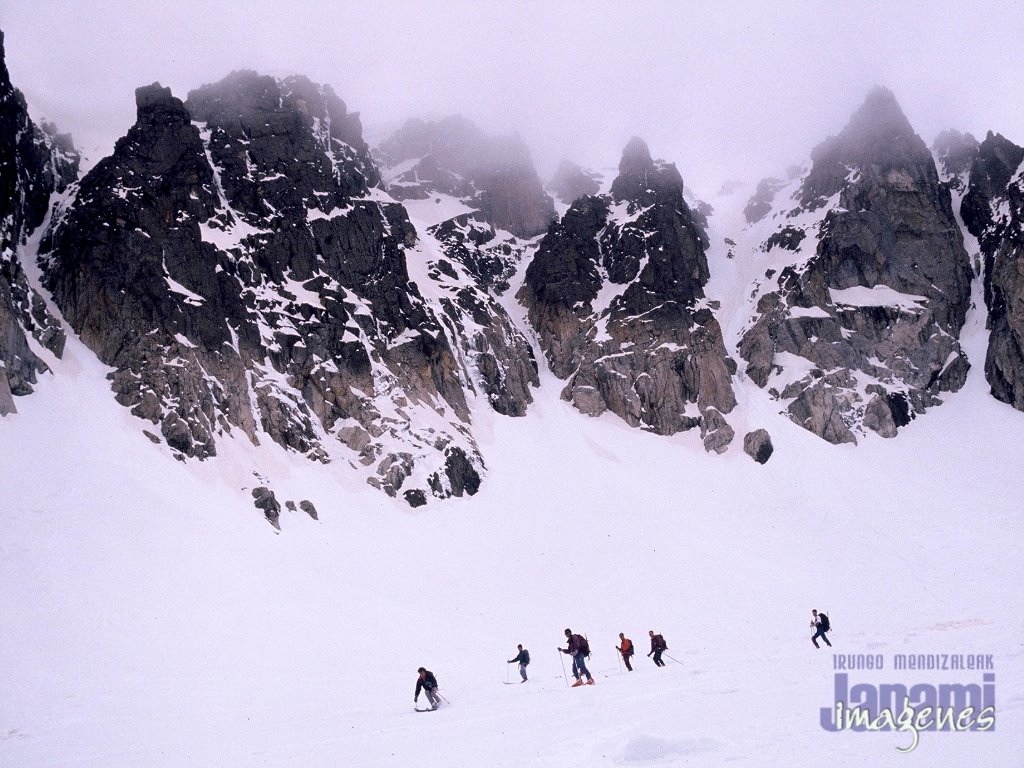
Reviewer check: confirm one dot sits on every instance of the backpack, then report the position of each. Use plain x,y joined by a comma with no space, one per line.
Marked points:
583,645
826,625
526,657
631,649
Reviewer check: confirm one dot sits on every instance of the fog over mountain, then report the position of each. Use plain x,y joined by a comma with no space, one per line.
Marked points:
725,92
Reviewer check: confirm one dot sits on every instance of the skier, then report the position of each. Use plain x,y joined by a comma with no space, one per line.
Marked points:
523,659
626,649
579,649
658,645
428,683
821,623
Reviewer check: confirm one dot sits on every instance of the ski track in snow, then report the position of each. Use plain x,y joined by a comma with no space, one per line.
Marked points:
152,617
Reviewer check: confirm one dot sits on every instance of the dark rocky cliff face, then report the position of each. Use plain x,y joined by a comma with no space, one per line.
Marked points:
876,295
35,162
495,174
993,210
615,294
235,263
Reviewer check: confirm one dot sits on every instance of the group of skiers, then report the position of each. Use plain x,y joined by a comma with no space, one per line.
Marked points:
578,648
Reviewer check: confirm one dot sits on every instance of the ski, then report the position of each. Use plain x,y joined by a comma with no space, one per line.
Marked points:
418,709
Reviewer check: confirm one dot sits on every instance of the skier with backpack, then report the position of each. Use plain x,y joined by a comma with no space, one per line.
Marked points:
428,683
823,625
522,659
579,650
658,646
625,647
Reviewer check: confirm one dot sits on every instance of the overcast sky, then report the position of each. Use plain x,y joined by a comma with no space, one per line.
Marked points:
725,90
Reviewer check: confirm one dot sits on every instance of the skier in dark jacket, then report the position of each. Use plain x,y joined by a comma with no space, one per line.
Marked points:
658,646
578,650
820,622
522,659
428,683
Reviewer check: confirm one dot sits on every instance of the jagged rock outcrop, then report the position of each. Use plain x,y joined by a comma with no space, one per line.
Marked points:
615,294
993,210
236,264
572,182
35,162
857,326
453,156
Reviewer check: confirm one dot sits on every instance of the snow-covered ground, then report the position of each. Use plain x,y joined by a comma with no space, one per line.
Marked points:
150,616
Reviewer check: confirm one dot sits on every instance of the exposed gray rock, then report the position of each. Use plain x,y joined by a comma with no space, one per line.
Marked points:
715,431
307,506
758,445
35,162
993,210
878,289
459,476
233,262
265,501
6,396
652,351
416,498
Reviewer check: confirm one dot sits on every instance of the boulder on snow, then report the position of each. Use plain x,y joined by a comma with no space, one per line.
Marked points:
265,500
758,445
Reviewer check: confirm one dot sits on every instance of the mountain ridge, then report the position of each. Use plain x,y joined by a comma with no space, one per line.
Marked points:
245,266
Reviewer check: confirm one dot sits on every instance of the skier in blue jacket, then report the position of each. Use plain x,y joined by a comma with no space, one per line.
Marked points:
522,659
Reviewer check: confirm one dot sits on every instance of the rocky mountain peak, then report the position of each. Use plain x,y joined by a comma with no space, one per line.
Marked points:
642,180
224,261
636,158
615,294
877,139
877,121
157,106
874,289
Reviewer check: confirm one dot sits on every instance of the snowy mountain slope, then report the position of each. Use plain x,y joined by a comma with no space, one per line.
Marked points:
150,616
156,628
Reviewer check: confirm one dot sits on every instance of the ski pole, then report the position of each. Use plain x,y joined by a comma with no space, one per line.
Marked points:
508,670
677,661
565,676
620,662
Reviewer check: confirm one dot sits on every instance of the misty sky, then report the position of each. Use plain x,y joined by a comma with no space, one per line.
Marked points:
725,90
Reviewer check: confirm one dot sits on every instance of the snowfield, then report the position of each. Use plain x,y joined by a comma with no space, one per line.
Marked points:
152,617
